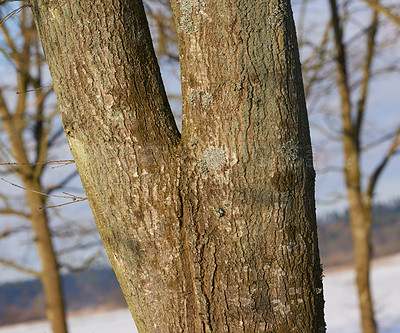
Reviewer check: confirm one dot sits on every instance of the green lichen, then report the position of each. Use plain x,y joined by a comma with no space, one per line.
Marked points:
201,97
188,8
290,151
213,158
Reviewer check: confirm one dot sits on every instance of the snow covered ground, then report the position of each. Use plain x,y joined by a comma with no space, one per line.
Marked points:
340,295
341,308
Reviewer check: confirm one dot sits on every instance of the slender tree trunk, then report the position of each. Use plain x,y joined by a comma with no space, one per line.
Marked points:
361,228
50,276
15,125
360,212
361,222
213,231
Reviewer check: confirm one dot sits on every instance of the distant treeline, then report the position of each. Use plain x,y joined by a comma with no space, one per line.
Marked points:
335,240
24,301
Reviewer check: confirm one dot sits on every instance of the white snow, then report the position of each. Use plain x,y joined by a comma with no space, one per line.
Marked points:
340,295
341,308
118,321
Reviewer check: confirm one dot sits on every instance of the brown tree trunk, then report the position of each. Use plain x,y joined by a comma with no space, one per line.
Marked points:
213,231
361,228
360,212
15,125
50,276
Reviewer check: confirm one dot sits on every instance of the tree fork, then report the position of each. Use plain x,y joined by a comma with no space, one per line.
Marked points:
214,231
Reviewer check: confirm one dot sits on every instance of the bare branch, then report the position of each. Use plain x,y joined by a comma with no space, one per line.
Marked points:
30,90
85,265
366,78
342,74
378,171
335,197
5,1
4,112
16,11
20,268
58,163
65,204
378,141
62,183
327,132
14,231
75,247
383,10
9,211
70,196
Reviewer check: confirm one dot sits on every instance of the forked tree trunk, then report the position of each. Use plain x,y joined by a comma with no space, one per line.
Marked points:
213,231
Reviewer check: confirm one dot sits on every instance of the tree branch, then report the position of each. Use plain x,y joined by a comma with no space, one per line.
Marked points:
366,75
20,268
343,79
85,265
68,196
14,231
9,211
62,183
377,142
375,175
383,10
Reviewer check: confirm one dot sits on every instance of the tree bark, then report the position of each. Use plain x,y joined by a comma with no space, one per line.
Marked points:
213,231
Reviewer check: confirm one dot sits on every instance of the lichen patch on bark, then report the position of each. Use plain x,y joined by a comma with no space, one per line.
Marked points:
213,158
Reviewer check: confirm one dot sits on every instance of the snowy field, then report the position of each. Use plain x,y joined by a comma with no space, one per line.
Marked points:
340,295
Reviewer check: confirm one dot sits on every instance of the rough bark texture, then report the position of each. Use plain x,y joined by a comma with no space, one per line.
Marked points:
214,231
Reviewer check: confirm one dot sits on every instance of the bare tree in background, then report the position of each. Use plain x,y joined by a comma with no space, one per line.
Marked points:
370,34
30,135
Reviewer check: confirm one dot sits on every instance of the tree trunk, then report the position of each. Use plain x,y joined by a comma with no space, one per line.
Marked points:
361,228
361,223
50,276
360,212
15,124
213,231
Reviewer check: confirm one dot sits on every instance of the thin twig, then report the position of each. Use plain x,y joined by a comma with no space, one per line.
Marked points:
65,204
73,197
394,148
16,11
60,162
4,1
384,11
30,90
19,268
9,211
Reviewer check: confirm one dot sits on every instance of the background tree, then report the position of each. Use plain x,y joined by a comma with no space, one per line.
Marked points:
30,136
214,229
357,41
